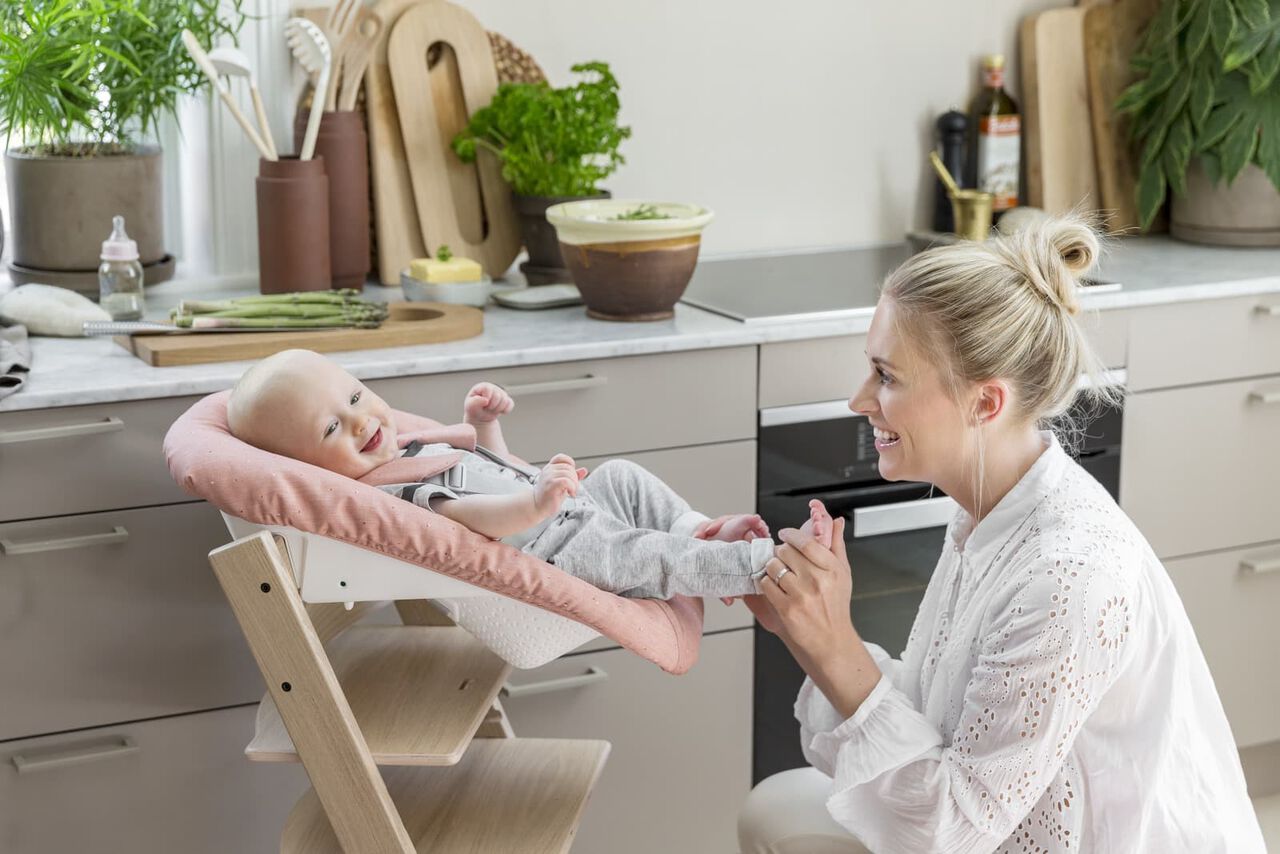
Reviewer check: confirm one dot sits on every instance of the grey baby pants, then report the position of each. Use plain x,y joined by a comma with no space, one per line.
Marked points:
618,535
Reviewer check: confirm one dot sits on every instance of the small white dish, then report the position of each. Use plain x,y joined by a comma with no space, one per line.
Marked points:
539,296
455,293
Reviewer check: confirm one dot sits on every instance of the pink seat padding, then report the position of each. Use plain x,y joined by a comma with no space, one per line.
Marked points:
268,489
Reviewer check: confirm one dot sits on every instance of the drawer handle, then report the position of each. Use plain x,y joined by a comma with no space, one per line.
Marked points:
118,535
591,677
575,384
65,758
1269,310
1257,566
1265,396
62,431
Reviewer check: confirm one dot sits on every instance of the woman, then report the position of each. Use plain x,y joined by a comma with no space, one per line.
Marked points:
1052,696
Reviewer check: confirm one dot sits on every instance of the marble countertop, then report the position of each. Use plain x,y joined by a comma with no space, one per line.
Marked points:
69,372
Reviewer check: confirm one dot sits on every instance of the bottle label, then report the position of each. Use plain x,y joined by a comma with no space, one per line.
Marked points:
999,149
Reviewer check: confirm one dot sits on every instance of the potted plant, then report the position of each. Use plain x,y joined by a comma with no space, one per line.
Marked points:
555,145
83,84
1205,112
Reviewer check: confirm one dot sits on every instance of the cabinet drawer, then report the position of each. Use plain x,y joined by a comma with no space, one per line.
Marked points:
681,760
714,479
80,459
174,784
1232,599
1186,502
812,371
1204,341
124,624
605,406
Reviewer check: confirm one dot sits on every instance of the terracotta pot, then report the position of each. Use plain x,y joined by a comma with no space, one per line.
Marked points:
343,144
629,269
62,207
1246,213
545,265
293,225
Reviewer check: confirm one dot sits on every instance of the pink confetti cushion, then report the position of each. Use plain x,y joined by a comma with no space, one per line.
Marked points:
268,489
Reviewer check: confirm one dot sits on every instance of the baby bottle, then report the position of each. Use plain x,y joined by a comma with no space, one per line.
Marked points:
120,276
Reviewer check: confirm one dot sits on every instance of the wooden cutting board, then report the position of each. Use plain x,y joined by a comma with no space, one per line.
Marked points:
396,219
1111,33
408,324
467,207
1058,135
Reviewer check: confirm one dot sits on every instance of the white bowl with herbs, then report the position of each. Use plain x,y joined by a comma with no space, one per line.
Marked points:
631,259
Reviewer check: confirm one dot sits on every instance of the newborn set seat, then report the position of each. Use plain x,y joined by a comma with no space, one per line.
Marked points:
314,552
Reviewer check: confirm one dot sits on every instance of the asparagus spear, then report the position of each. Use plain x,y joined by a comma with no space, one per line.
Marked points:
205,322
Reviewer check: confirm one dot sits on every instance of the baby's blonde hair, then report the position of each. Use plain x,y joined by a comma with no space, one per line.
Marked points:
1006,309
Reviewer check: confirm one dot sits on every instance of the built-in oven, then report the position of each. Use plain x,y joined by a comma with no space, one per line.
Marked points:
893,534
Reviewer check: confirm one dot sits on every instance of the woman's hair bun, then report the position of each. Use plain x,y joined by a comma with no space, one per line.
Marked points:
1054,253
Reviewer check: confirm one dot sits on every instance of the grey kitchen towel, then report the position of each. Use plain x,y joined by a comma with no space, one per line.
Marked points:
15,358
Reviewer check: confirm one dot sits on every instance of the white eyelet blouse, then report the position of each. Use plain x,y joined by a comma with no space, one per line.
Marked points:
1052,697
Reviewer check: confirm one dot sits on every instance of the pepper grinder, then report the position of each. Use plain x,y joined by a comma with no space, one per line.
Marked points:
953,127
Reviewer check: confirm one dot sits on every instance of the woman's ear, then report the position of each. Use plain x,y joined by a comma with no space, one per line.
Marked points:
993,398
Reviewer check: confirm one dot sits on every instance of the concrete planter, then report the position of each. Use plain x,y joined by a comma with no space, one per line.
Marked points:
62,208
1246,213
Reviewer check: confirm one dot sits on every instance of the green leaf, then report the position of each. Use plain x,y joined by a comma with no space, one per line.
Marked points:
1245,49
1220,120
1268,154
1237,149
1200,99
1198,29
1177,154
1266,64
1212,165
1151,193
1222,24
1254,13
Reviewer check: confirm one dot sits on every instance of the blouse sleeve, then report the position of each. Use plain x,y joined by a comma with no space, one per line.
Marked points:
1053,647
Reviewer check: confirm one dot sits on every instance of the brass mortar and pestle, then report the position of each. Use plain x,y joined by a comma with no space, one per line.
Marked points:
971,208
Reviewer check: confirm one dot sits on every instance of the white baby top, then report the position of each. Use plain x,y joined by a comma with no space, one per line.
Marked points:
1051,698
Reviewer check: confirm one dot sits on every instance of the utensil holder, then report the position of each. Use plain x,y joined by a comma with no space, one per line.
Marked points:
972,211
293,225
345,147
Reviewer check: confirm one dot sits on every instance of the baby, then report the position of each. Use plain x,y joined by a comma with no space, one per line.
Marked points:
619,528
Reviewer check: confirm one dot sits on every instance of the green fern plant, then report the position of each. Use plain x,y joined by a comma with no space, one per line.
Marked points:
1207,89
85,77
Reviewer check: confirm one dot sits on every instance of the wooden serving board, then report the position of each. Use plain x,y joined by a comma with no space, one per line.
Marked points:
469,207
408,324
1111,32
1061,173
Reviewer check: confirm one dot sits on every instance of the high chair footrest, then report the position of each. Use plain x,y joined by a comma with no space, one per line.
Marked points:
511,795
418,693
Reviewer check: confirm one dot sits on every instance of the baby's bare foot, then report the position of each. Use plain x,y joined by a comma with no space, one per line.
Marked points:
819,525
747,526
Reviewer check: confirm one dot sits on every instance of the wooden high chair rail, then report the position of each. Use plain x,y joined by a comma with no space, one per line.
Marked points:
504,794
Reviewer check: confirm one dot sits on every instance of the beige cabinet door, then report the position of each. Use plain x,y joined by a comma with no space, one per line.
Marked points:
681,760
1232,599
1199,342
116,616
78,459
176,784
1201,465
604,406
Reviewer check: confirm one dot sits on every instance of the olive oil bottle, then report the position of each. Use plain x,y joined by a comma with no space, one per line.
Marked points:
995,149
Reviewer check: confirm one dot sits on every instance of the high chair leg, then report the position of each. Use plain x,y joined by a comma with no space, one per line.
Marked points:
259,584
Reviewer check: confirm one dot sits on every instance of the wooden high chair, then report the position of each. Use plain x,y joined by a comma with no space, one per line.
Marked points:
399,727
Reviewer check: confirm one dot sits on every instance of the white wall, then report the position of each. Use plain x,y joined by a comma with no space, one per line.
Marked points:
802,123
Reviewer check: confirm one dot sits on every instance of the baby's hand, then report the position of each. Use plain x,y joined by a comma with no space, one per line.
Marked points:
557,480
484,403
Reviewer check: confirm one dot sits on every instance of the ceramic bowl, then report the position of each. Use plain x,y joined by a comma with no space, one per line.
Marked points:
455,293
629,269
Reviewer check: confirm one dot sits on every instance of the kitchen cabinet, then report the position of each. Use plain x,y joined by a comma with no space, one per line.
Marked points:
128,679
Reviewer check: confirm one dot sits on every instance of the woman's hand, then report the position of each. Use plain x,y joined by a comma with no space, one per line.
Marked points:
809,587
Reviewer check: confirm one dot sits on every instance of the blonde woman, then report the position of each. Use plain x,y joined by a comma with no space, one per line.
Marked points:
1052,696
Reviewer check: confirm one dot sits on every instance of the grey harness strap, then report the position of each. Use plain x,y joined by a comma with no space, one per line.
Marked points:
464,479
